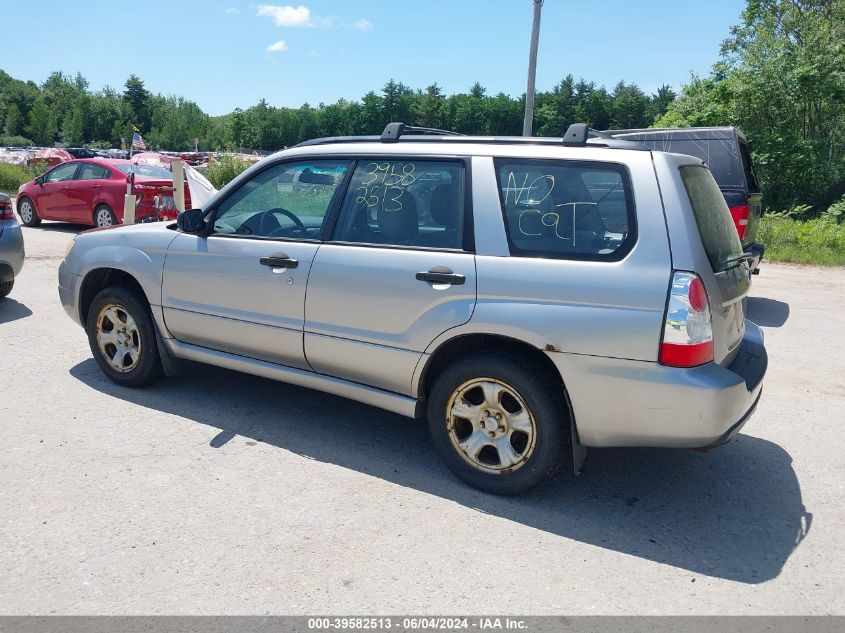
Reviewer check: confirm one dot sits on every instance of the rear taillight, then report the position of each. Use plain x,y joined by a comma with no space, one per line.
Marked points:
687,332
740,217
6,212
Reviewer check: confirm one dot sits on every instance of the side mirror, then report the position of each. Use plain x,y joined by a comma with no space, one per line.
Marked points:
190,221
39,180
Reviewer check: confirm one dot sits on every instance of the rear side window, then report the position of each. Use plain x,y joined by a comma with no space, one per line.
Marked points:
404,203
715,226
90,171
567,209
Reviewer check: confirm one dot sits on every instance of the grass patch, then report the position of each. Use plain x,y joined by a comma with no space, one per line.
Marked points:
820,241
13,176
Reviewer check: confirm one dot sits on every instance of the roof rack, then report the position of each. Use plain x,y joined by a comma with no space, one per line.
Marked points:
393,131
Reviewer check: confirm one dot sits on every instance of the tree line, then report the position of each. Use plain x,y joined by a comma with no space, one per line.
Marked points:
63,109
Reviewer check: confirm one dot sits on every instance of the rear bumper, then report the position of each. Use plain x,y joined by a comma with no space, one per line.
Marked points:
756,250
12,252
620,402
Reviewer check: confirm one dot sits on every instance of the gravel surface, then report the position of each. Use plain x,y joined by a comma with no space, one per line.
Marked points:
216,492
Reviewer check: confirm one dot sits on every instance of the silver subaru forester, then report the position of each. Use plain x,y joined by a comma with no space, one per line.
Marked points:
530,297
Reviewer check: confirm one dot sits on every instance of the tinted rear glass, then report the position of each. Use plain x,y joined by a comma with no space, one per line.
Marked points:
720,154
715,226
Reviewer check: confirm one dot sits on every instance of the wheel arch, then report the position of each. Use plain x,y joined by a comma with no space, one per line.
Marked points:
97,279
466,343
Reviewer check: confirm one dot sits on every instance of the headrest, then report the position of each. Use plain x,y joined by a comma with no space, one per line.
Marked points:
399,225
444,206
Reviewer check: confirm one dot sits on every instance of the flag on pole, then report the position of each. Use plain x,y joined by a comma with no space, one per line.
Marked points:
137,141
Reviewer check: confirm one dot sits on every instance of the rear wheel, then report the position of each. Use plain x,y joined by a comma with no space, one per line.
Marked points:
121,335
104,216
497,423
26,209
6,288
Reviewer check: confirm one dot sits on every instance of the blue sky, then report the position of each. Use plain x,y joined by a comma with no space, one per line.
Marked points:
226,54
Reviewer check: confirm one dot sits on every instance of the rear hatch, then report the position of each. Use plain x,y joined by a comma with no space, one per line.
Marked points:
724,253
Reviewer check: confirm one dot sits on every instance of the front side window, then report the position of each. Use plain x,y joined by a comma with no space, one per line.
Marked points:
404,203
62,173
566,209
290,200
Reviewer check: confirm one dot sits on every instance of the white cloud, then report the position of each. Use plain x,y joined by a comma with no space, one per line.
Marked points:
232,11
286,16
362,25
277,47
298,17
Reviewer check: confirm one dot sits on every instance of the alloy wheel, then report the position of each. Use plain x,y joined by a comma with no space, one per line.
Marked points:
118,338
104,218
490,426
26,211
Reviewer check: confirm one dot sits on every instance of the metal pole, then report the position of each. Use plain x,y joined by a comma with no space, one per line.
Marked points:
528,123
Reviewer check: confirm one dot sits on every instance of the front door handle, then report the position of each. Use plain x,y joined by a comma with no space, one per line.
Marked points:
278,261
442,275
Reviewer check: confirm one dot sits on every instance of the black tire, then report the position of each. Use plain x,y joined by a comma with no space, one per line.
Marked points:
145,366
104,216
27,212
6,288
543,399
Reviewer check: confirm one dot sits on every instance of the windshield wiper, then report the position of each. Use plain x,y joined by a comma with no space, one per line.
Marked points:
735,259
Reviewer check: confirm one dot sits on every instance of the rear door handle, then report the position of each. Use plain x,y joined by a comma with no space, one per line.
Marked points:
278,261
442,275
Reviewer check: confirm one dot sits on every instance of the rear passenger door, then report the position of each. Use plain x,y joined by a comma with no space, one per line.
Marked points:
398,271
88,187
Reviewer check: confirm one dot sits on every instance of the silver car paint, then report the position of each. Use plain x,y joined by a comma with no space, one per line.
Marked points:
12,250
607,359
367,317
216,294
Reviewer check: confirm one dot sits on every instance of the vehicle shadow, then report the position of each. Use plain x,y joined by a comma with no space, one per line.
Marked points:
11,310
734,513
767,312
61,227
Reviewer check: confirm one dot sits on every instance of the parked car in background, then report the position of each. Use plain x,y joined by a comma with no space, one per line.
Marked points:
91,191
529,296
725,150
11,246
81,152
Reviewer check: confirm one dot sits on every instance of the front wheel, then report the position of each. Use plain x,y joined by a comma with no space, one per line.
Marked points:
497,423
26,209
121,335
104,216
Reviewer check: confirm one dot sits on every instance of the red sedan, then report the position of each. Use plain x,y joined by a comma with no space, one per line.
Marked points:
91,190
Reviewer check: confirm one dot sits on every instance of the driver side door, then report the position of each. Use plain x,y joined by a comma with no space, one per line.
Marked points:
240,288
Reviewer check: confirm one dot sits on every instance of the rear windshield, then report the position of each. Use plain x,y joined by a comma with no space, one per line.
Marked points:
715,226
147,171
720,154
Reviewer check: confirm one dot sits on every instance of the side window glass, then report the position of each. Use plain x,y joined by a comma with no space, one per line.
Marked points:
62,173
285,201
404,203
90,171
566,209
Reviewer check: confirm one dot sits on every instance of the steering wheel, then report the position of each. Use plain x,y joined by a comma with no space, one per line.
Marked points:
264,224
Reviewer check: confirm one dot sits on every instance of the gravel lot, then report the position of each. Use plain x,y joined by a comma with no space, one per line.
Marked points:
216,492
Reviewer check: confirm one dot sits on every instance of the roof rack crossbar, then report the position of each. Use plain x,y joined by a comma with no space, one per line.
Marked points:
394,130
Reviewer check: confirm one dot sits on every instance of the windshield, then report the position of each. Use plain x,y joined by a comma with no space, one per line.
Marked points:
147,171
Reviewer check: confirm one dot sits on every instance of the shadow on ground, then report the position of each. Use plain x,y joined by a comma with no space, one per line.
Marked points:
11,310
62,227
733,513
767,312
